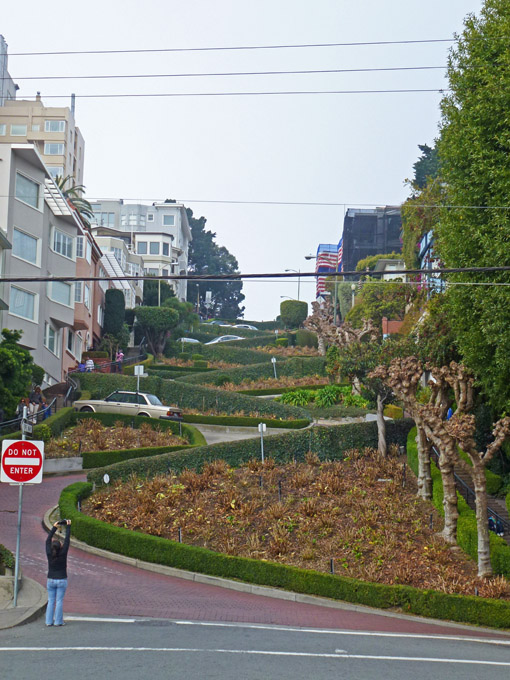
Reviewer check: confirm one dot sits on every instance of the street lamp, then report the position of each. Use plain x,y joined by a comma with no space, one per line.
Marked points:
298,272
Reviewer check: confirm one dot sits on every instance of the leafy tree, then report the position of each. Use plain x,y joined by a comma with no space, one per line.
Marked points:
426,167
16,368
114,312
74,194
154,291
185,310
474,147
293,313
205,256
377,299
157,324
435,337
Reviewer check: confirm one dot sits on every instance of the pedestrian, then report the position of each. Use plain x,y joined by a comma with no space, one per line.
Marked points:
500,530
56,552
46,411
36,400
81,366
89,365
119,359
19,408
492,523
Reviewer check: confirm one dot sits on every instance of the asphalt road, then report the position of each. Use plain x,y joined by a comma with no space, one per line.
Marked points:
134,649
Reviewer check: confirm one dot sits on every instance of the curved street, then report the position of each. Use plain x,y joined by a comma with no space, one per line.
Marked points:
99,586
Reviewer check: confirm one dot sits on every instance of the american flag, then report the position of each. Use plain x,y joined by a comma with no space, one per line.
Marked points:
340,256
326,262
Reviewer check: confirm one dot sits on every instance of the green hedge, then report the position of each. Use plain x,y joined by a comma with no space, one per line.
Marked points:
257,341
328,442
494,481
6,559
154,549
51,427
239,421
279,390
227,352
295,367
189,396
168,368
98,459
130,370
467,535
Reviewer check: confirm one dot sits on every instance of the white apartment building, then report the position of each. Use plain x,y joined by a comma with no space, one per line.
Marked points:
159,233
8,88
42,229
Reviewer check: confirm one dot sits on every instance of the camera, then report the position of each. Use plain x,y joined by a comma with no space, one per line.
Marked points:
62,521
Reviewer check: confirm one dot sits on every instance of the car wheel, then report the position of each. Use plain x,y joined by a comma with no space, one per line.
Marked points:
145,415
87,409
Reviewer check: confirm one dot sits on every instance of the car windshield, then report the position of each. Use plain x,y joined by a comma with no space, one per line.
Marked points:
154,400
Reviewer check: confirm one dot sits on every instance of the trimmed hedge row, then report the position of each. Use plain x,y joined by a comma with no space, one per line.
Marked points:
240,421
295,367
280,390
169,368
328,442
98,459
189,396
256,341
154,549
223,351
467,534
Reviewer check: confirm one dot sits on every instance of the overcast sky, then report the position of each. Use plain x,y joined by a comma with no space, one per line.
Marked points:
350,149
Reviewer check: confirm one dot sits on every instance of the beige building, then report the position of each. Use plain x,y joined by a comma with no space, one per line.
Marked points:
52,130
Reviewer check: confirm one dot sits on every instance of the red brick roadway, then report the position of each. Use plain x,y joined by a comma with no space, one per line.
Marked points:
98,586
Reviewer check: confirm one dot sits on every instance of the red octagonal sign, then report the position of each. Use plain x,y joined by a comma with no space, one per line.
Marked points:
22,461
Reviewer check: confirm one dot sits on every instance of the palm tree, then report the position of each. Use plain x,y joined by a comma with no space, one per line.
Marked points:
74,195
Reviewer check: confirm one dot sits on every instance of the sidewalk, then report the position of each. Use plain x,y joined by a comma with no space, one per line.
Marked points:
31,604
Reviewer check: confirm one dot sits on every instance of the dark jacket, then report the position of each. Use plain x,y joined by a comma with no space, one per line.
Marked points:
36,397
57,566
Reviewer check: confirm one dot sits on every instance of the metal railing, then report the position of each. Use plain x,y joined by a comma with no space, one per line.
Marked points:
470,497
14,425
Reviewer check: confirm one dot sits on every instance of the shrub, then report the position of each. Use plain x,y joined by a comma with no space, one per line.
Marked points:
130,370
245,421
282,342
254,343
200,364
306,338
6,559
97,459
197,357
221,379
393,411
293,313
231,354
184,356
297,397
326,397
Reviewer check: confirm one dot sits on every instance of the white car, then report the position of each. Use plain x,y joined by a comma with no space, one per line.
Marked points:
131,404
224,338
246,325
190,340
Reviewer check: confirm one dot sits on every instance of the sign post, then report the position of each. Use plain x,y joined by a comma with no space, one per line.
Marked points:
262,429
273,361
22,463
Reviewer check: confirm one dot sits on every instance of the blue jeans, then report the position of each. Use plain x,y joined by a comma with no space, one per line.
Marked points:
56,591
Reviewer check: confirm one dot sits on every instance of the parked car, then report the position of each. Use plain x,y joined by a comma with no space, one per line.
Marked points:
129,403
190,340
224,338
246,325
215,322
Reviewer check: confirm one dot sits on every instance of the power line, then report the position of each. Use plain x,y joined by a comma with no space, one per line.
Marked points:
230,73
238,47
236,94
240,276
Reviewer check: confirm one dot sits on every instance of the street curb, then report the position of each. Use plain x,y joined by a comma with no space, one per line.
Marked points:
265,591
32,593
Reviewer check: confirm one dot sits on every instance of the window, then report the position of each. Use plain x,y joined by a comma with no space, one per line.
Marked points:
24,246
18,130
22,303
103,284
63,244
104,219
53,149
78,344
154,248
79,246
142,248
165,249
168,220
54,126
78,288
152,272
36,128
70,340
27,190
56,171
3,128
88,252
150,217
100,316
60,292
52,339
86,296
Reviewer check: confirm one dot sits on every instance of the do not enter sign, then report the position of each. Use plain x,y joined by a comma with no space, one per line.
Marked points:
22,461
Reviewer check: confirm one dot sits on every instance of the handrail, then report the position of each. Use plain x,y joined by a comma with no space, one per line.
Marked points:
14,425
469,492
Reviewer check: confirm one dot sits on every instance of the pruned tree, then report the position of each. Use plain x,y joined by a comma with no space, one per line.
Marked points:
320,322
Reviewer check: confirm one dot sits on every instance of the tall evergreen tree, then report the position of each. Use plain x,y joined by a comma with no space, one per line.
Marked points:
207,257
474,150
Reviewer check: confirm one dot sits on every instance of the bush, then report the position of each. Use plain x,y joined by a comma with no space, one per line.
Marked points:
200,364
6,559
293,313
197,357
130,370
254,343
97,459
245,421
282,342
231,354
306,338
221,379
184,356
188,396
297,397
392,411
